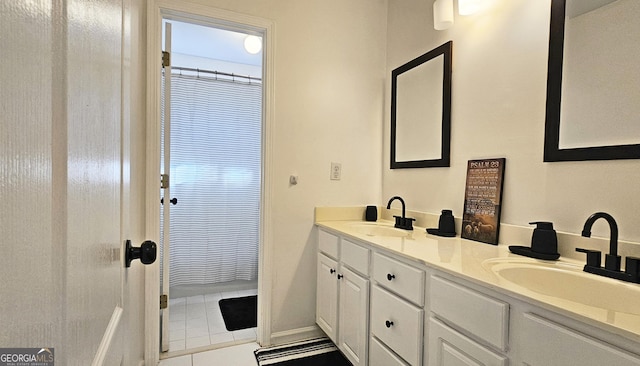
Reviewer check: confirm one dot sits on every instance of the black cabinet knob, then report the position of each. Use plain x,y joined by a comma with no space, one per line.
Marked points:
340,276
388,323
332,271
390,276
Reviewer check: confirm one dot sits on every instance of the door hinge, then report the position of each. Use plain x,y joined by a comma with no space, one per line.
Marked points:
163,301
164,181
166,59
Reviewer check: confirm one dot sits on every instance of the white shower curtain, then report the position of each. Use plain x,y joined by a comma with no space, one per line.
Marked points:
215,175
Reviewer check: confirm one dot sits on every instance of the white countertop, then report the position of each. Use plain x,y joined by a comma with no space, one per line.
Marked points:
468,259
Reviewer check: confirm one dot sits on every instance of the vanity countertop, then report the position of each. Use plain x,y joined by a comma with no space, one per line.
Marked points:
469,260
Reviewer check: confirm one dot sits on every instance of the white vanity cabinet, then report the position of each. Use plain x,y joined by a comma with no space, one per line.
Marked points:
384,309
342,303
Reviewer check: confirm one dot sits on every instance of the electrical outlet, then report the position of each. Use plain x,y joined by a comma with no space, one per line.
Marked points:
336,171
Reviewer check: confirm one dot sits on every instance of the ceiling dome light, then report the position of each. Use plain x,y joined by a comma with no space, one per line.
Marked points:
253,44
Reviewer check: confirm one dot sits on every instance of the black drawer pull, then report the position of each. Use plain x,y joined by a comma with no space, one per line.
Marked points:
390,276
332,271
388,323
340,276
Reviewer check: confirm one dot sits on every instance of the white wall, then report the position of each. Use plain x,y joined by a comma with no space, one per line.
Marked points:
498,110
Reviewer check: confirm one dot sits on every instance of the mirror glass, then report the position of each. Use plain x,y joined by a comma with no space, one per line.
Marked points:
421,111
592,89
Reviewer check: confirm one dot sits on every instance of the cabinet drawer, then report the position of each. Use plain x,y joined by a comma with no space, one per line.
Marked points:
379,355
355,256
552,344
328,243
400,278
449,347
483,316
398,324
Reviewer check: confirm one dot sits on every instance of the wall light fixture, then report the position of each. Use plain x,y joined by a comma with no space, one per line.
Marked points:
442,14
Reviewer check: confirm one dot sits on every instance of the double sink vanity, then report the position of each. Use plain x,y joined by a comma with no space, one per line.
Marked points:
388,296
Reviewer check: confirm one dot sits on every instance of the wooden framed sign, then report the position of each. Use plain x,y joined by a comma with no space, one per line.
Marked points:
483,200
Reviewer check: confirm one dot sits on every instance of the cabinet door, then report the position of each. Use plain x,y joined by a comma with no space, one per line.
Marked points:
327,296
353,315
552,344
448,347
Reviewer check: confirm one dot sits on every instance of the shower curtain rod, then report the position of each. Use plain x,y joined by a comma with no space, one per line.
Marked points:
233,76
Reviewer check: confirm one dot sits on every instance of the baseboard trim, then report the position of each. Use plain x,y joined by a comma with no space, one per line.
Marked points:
294,335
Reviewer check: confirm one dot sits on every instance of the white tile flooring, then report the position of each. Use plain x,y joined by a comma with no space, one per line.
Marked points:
196,321
240,355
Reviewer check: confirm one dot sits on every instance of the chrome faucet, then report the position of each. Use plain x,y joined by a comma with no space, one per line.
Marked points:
612,260
402,222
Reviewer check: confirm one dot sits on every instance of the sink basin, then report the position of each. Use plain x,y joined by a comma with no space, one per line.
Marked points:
375,229
568,282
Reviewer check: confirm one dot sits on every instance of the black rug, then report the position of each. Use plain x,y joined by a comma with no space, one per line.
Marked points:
239,312
315,352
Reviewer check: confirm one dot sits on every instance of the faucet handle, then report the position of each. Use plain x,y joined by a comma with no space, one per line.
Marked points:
405,223
594,257
612,262
632,267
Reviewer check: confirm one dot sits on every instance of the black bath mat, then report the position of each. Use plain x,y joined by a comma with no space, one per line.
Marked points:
314,352
239,312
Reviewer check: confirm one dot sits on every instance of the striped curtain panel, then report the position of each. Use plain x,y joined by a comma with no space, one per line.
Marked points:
215,175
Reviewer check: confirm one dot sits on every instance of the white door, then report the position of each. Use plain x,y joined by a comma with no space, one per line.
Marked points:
60,179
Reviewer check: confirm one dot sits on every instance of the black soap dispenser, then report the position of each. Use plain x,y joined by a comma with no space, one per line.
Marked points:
544,242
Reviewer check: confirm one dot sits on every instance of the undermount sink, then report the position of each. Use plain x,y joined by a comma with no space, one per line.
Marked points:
376,229
568,282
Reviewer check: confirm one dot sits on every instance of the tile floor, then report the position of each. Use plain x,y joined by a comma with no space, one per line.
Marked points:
240,355
196,321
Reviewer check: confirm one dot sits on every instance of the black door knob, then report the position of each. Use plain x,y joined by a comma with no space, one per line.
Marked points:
146,253
174,201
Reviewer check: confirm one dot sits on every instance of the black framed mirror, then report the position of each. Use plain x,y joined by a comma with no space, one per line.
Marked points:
592,110
421,111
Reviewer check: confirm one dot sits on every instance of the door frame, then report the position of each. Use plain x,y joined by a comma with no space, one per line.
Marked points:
186,11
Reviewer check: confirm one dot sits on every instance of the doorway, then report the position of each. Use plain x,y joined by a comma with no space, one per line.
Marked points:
211,150
175,10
